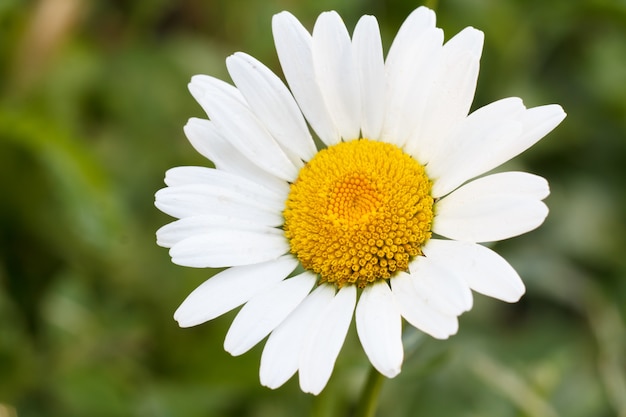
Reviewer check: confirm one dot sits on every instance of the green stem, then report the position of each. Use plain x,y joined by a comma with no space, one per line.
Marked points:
369,396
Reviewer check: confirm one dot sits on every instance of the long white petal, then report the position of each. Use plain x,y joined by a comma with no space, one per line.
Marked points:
241,127
272,103
205,137
414,26
206,82
409,69
281,354
201,199
230,289
489,137
440,286
174,232
484,270
293,45
379,326
537,122
265,311
222,247
450,94
482,132
188,175
370,64
417,312
325,341
336,73
492,208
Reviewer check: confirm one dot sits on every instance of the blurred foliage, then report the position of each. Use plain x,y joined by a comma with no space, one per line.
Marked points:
92,104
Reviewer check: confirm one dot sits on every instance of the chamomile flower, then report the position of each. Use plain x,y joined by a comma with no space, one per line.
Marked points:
381,219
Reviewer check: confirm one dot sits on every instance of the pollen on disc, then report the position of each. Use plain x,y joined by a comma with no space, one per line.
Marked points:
358,212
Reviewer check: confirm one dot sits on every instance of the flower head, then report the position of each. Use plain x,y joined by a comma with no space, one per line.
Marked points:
385,219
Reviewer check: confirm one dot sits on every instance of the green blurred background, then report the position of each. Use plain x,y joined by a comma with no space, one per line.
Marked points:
93,98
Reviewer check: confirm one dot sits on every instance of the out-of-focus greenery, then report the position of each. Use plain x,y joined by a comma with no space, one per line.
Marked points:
92,102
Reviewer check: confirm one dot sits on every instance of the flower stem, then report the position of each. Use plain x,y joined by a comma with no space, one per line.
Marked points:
369,396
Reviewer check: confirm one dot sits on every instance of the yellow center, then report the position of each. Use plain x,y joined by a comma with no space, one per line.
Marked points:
358,212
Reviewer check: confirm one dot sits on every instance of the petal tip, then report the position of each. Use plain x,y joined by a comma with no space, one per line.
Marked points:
182,321
282,18
391,372
516,294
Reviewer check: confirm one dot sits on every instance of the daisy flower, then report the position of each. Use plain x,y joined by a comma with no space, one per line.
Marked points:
381,218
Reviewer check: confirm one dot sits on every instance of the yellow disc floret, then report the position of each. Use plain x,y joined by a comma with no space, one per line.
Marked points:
358,212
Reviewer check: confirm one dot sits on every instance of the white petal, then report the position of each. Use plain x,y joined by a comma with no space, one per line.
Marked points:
203,82
409,69
281,355
205,137
379,326
450,94
484,270
272,103
188,175
221,247
325,341
231,288
240,126
336,73
417,312
492,208
489,137
293,45
265,311
370,64
207,140
537,122
414,26
201,199
440,286
172,233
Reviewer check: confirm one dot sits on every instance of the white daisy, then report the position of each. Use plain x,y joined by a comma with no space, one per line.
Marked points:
360,216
